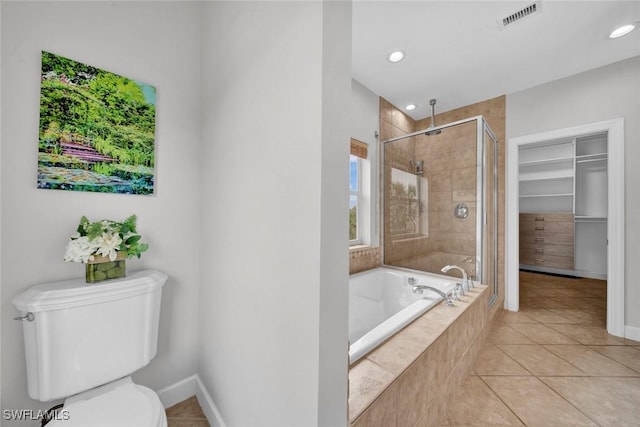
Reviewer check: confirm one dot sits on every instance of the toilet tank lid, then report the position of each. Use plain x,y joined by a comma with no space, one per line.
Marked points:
76,292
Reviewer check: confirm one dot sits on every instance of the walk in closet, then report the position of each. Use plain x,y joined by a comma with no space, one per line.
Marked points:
563,206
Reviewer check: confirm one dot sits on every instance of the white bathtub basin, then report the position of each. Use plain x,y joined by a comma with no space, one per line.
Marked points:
381,302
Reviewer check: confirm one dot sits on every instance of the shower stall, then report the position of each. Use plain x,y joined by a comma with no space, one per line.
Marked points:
439,197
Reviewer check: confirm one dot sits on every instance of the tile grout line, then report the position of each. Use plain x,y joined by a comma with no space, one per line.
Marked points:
565,399
617,361
503,402
518,363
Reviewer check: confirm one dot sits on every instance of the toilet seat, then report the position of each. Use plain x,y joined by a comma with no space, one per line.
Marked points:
118,404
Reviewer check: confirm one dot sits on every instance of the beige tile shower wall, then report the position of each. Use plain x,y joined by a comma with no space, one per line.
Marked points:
461,185
493,110
450,168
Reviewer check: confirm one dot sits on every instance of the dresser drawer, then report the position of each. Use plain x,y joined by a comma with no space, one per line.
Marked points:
538,249
564,262
552,238
547,217
565,227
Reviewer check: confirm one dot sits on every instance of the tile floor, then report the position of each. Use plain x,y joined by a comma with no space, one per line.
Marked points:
186,414
552,363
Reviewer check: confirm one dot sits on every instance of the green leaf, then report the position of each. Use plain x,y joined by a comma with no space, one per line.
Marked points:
130,223
82,226
133,239
94,230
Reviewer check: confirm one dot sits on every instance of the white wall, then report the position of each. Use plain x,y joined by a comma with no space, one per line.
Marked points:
604,93
155,42
275,86
365,113
365,121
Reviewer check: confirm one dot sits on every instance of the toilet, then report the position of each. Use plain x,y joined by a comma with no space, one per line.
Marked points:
82,342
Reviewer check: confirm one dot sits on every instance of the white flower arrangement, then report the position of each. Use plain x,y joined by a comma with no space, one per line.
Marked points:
104,238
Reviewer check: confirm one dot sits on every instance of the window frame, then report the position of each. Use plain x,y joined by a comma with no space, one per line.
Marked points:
359,197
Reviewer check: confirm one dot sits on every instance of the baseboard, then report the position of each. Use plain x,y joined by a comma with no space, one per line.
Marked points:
632,333
184,389
176,393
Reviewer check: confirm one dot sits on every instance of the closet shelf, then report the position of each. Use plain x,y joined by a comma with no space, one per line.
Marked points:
588,218
545,161
598,156
546,195
526,178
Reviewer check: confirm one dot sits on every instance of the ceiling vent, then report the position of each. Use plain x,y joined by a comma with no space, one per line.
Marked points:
519,15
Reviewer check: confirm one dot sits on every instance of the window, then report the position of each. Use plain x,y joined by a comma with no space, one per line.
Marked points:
357,205
408,202
354,198
404,204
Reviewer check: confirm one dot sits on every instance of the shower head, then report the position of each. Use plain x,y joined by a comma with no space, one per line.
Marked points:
433,120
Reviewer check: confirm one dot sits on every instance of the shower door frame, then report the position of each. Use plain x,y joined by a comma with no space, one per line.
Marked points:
482,127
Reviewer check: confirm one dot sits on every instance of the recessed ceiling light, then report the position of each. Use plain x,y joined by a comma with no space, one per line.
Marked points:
396,56
622,31
410,107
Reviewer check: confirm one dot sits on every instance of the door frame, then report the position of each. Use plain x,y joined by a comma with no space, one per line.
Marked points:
615,217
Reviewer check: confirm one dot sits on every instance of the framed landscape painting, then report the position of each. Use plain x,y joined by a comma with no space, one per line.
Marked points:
97,129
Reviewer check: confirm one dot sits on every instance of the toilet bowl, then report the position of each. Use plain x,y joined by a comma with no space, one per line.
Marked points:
118,404
82,343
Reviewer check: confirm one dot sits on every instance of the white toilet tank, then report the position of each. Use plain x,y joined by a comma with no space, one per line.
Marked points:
83,336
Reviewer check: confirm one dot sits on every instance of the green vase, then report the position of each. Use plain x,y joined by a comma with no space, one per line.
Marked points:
101,268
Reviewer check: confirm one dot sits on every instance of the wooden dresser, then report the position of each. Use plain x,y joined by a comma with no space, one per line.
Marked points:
547,240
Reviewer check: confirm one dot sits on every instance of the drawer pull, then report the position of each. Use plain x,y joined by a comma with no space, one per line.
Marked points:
539,218
540,228
539,261
539,239
539,250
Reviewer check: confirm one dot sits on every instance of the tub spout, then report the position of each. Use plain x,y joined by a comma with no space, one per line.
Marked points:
448,299
465,280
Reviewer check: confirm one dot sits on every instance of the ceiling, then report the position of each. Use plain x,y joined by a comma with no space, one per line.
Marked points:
456,53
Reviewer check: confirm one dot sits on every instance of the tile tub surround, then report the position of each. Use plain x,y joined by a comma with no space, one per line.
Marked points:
406,382
362,258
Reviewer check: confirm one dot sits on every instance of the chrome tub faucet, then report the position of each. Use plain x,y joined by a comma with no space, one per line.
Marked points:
466,283
448,298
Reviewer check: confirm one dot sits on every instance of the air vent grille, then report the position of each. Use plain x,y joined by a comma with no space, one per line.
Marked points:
519,15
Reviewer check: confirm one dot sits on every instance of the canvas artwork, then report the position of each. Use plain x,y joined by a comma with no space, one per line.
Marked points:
97,129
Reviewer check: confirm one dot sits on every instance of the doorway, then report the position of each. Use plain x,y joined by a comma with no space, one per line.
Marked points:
615,206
